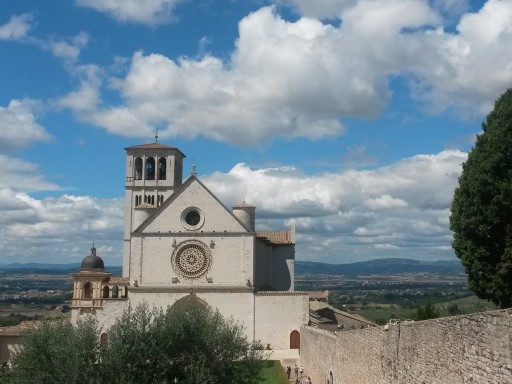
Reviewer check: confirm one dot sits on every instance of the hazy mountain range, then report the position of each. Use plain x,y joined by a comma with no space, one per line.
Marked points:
378,266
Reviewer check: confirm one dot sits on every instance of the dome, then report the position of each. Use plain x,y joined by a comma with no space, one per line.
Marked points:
92,262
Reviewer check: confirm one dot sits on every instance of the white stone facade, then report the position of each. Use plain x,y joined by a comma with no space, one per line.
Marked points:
180,240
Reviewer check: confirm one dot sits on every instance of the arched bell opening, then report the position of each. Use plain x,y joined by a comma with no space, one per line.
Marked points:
162,169
106,292
150,168
138,168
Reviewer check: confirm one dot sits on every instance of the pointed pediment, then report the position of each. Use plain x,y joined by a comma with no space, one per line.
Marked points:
192,208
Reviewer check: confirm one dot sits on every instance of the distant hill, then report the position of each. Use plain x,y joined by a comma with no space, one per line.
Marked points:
378,267
372,267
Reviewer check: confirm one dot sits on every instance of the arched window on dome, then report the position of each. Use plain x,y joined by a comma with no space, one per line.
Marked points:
150,168
106,292
162,168
87,291
115,292
138,168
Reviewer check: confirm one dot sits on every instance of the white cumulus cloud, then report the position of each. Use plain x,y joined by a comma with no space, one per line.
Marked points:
301,78
62,228
21,176
18,125
16,28
138,11
403,207
399,210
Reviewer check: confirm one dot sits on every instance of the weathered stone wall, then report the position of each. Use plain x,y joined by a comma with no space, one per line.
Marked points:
473,348
277,315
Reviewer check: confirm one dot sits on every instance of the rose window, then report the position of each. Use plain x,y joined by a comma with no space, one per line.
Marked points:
191,259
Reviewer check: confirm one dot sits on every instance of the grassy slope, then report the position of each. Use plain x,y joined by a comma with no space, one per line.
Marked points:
274,373
465,305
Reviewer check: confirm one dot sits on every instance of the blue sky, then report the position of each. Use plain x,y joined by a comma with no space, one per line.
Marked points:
350,118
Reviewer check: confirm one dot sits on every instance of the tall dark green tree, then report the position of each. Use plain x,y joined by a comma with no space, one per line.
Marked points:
481,218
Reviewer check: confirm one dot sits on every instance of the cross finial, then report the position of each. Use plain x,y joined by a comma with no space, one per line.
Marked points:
156,136
194,172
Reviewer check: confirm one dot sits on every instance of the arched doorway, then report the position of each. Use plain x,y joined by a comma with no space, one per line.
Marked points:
190,299
104,339
295,339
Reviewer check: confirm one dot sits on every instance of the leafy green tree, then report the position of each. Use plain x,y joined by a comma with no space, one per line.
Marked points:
57,352
65,308
425,312
453,309
481,218
187,344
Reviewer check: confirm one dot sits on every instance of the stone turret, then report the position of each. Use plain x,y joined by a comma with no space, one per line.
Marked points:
246,213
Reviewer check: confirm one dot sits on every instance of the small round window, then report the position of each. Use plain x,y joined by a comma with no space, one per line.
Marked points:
192,218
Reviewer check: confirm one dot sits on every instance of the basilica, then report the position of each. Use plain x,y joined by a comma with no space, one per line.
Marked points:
182,243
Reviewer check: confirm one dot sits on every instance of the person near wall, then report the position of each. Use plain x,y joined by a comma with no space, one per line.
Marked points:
296,370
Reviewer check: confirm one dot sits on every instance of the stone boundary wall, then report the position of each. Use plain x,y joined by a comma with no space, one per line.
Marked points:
474,348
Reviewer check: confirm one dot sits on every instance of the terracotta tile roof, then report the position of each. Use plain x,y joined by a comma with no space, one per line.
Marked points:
118,280
281,293
276,237
151,146
17,330
319,295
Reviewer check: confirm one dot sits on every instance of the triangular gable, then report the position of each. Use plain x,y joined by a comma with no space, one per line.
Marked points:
192,193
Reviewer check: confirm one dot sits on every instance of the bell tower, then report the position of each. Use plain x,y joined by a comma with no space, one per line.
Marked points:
153,172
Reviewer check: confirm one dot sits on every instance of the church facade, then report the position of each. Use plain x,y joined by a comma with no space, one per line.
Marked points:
182,243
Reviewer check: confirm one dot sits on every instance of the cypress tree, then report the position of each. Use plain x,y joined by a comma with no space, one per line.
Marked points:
481,213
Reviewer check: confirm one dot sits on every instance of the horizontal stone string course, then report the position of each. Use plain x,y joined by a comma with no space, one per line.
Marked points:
474,348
